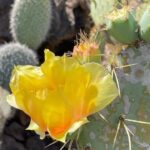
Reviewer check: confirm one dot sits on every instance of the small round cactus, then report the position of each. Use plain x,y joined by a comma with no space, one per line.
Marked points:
30,21
14,54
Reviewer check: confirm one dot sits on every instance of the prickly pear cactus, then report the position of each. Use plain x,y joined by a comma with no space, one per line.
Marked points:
30,21
100,8
145,25
125,124
140,10
122,25
129,110
14,54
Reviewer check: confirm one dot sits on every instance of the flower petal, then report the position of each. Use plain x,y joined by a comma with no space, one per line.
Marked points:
36,128
60,94
107,90
11,101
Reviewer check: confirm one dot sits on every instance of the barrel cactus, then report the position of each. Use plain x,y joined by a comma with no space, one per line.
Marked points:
30,21
14,54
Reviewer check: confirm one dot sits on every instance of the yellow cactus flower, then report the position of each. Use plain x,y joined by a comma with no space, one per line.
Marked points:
61,93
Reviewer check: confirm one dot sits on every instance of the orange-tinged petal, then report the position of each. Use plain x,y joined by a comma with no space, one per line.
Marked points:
36,128
59,95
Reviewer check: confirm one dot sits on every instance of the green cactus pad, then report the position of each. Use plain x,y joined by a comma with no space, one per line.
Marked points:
145,25
122,26
140,10
99,9
30,21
